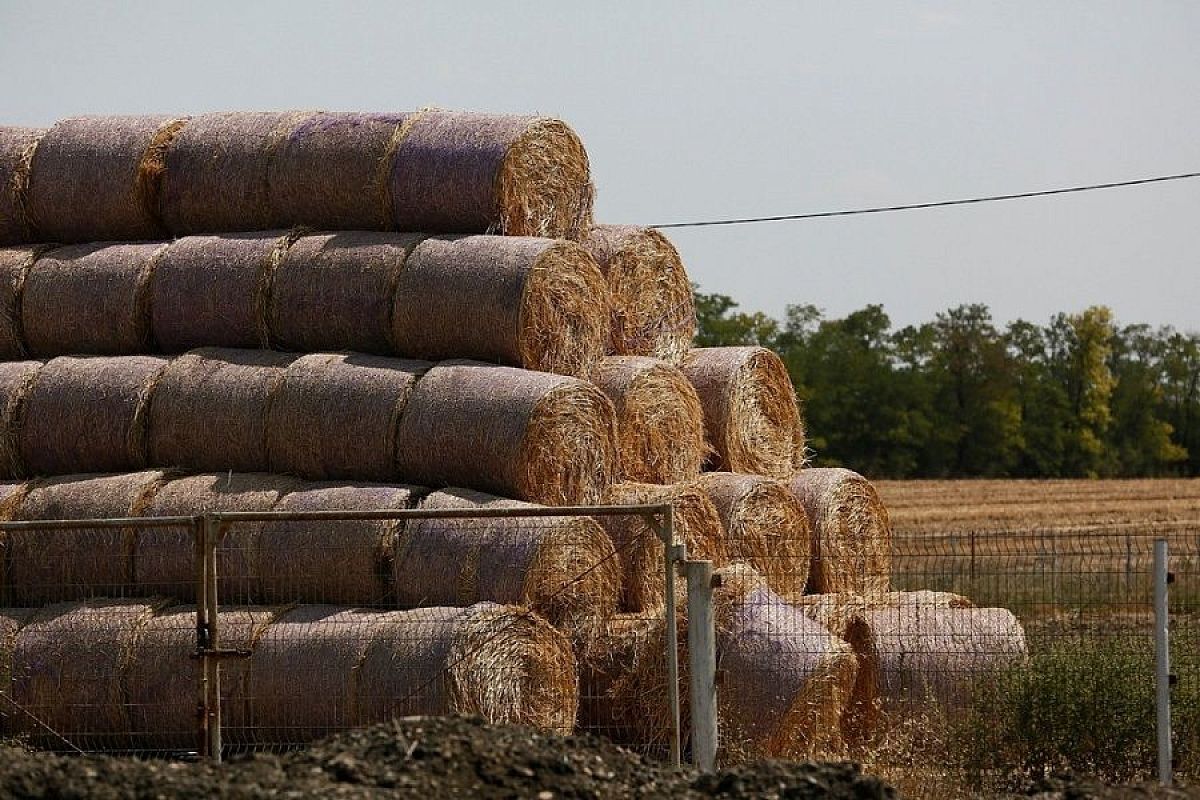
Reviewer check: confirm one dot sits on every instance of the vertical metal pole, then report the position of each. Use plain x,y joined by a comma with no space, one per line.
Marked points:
200,562
1162,661
669,558
212,665
1128,563
702,659
972,556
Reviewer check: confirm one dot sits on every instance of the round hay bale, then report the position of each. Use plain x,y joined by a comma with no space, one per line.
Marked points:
765,527
660,425
481,173
89,414
11,495
334,292
333,171
16,151
68,668
214,290
218,171
16,384
211,406
639,547
97,178
164,558
502,663
51,566
852,536
90,298
653,309
533,303
562,567
15,263
336,415
751,417
163,674
332,561
11,620
529,435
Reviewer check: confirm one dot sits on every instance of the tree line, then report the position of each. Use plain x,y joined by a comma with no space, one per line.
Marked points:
964,397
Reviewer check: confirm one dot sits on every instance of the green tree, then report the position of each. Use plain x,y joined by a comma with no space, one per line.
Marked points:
718,324
1140,438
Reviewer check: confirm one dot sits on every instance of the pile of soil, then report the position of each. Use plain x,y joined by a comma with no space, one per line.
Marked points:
1071,787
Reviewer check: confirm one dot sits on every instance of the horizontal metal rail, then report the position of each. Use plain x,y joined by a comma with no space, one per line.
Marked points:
440,513
112,522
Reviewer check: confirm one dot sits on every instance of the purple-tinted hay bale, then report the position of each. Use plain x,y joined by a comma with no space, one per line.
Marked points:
16,151
332,561
503,663
653,307
89,414
98,178
522,301
210,409
50,566
480,173
164,558
90,298
15,263
212,291
69,663
333,171
163,675
561,567
16,384
751,417
527,435
852,535
334,292
218,171
336,415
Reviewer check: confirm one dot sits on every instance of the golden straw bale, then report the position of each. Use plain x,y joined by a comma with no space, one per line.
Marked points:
852,536
90,298
332,561
15,263
164,558
660,425
751,417
163,674
476,173
336,415
528,435
334,292
562,567
502,663
213,290
97,178
534,303
89,414
50,566
653,307
639,548
68,668
218,171
16,384
765,526
16,151
211,407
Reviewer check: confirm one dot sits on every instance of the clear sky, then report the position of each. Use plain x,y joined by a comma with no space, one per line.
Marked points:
694,110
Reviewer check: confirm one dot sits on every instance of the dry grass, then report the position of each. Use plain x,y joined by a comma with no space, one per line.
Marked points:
852,536
16,383
11,620
16,151
15,263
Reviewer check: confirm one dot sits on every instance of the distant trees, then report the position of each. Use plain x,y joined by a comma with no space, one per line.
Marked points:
959,397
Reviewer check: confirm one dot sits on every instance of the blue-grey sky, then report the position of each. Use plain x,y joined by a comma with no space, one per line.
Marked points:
694,110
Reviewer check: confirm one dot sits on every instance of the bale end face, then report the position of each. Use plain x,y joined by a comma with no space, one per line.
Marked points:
852,535
569,454
563,318
544,184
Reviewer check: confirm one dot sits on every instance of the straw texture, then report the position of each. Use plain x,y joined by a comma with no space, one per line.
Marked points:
852,535
660,424
765,527
476,173
11,620
16,384
562,567
526,435
653,308
211,407
97,178
90,298
521,301
16,151
89,414
336,415
15,263
751,417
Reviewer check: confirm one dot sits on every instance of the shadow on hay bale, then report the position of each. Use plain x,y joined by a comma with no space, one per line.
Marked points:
16,383
16,151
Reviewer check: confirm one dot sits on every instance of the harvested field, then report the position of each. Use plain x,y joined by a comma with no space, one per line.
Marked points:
852,537
16,382
16,151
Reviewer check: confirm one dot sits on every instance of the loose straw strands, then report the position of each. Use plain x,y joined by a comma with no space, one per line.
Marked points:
16,151
852,536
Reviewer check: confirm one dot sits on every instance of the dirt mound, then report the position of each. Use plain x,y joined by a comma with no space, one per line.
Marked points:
1070,787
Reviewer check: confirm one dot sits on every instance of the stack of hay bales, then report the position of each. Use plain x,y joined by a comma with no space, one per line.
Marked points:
341,312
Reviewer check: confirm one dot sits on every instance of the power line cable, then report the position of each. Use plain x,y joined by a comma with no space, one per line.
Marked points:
936,204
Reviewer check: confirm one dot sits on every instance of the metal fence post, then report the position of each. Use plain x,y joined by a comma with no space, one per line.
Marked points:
702,660
671,554
214,529
200,563
1162,661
